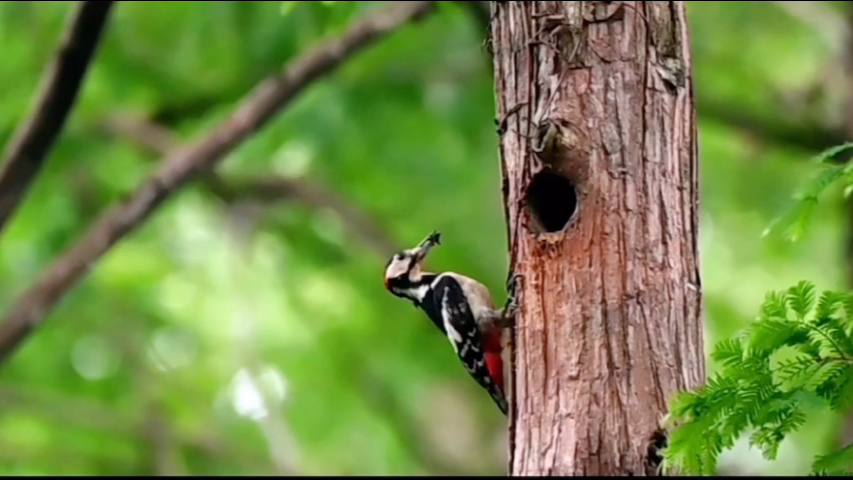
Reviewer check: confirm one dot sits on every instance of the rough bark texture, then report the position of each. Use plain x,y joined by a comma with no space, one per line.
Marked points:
599,93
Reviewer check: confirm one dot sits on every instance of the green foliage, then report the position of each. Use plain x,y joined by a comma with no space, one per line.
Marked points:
158,333
287,7
793,223
799,348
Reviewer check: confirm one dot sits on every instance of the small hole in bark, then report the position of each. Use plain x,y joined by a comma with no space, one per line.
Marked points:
552,200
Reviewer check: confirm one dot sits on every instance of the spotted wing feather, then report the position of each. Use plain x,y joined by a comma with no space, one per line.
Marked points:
464,336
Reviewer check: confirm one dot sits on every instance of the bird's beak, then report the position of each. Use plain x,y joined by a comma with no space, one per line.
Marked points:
426,245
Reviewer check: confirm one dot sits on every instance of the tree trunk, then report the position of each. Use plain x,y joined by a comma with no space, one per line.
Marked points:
600,170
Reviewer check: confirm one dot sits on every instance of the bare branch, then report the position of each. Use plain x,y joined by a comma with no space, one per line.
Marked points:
178,168
826,22
311,194
144,134
28,149
160,140
779,130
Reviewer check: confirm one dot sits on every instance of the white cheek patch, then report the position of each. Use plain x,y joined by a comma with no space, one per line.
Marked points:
398,268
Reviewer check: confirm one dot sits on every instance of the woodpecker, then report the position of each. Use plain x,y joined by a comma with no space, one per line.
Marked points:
462,308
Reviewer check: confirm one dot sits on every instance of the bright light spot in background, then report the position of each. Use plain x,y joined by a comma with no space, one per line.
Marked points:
749,461
251,396
293,159
176,293
246,397
172,348
93,358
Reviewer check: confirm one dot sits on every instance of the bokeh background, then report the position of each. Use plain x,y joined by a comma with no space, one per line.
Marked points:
244,329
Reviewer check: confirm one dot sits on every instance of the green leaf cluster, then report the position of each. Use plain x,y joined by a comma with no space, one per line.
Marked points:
793,223
798,350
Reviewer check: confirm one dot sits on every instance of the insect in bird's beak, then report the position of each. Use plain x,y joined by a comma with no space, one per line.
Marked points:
427,244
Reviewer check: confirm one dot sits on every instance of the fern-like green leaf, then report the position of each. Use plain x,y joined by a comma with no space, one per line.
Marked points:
755,390
842,399
775,305
848,309
831,154
834,329
686,405
798,370
829,332
728,352
823,180
836,463
828,387
829,303
801,298
772,334
810,347
767,439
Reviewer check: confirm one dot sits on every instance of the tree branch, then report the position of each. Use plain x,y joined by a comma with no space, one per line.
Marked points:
160,140
778,131
311,194
178,168
28,149
827,23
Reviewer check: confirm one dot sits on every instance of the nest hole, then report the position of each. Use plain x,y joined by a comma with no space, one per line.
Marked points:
552,201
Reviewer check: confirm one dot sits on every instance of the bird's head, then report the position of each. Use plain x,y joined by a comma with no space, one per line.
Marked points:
403,270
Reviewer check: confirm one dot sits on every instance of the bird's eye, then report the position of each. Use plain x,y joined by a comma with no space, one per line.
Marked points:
398,256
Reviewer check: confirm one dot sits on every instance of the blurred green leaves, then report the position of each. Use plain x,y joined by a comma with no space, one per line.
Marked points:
190,311
794,223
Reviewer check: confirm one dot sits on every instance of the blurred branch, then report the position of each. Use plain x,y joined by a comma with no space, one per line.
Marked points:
64,409
311,194
165,449
155,425
179,167
826,23
777,130
71,412
160,140
26,152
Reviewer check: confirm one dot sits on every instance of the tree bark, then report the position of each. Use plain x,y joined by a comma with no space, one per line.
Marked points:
600,171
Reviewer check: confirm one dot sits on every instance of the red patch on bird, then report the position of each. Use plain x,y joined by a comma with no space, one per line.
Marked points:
494,362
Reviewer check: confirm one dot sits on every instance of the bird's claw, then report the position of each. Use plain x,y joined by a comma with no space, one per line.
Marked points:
512,301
